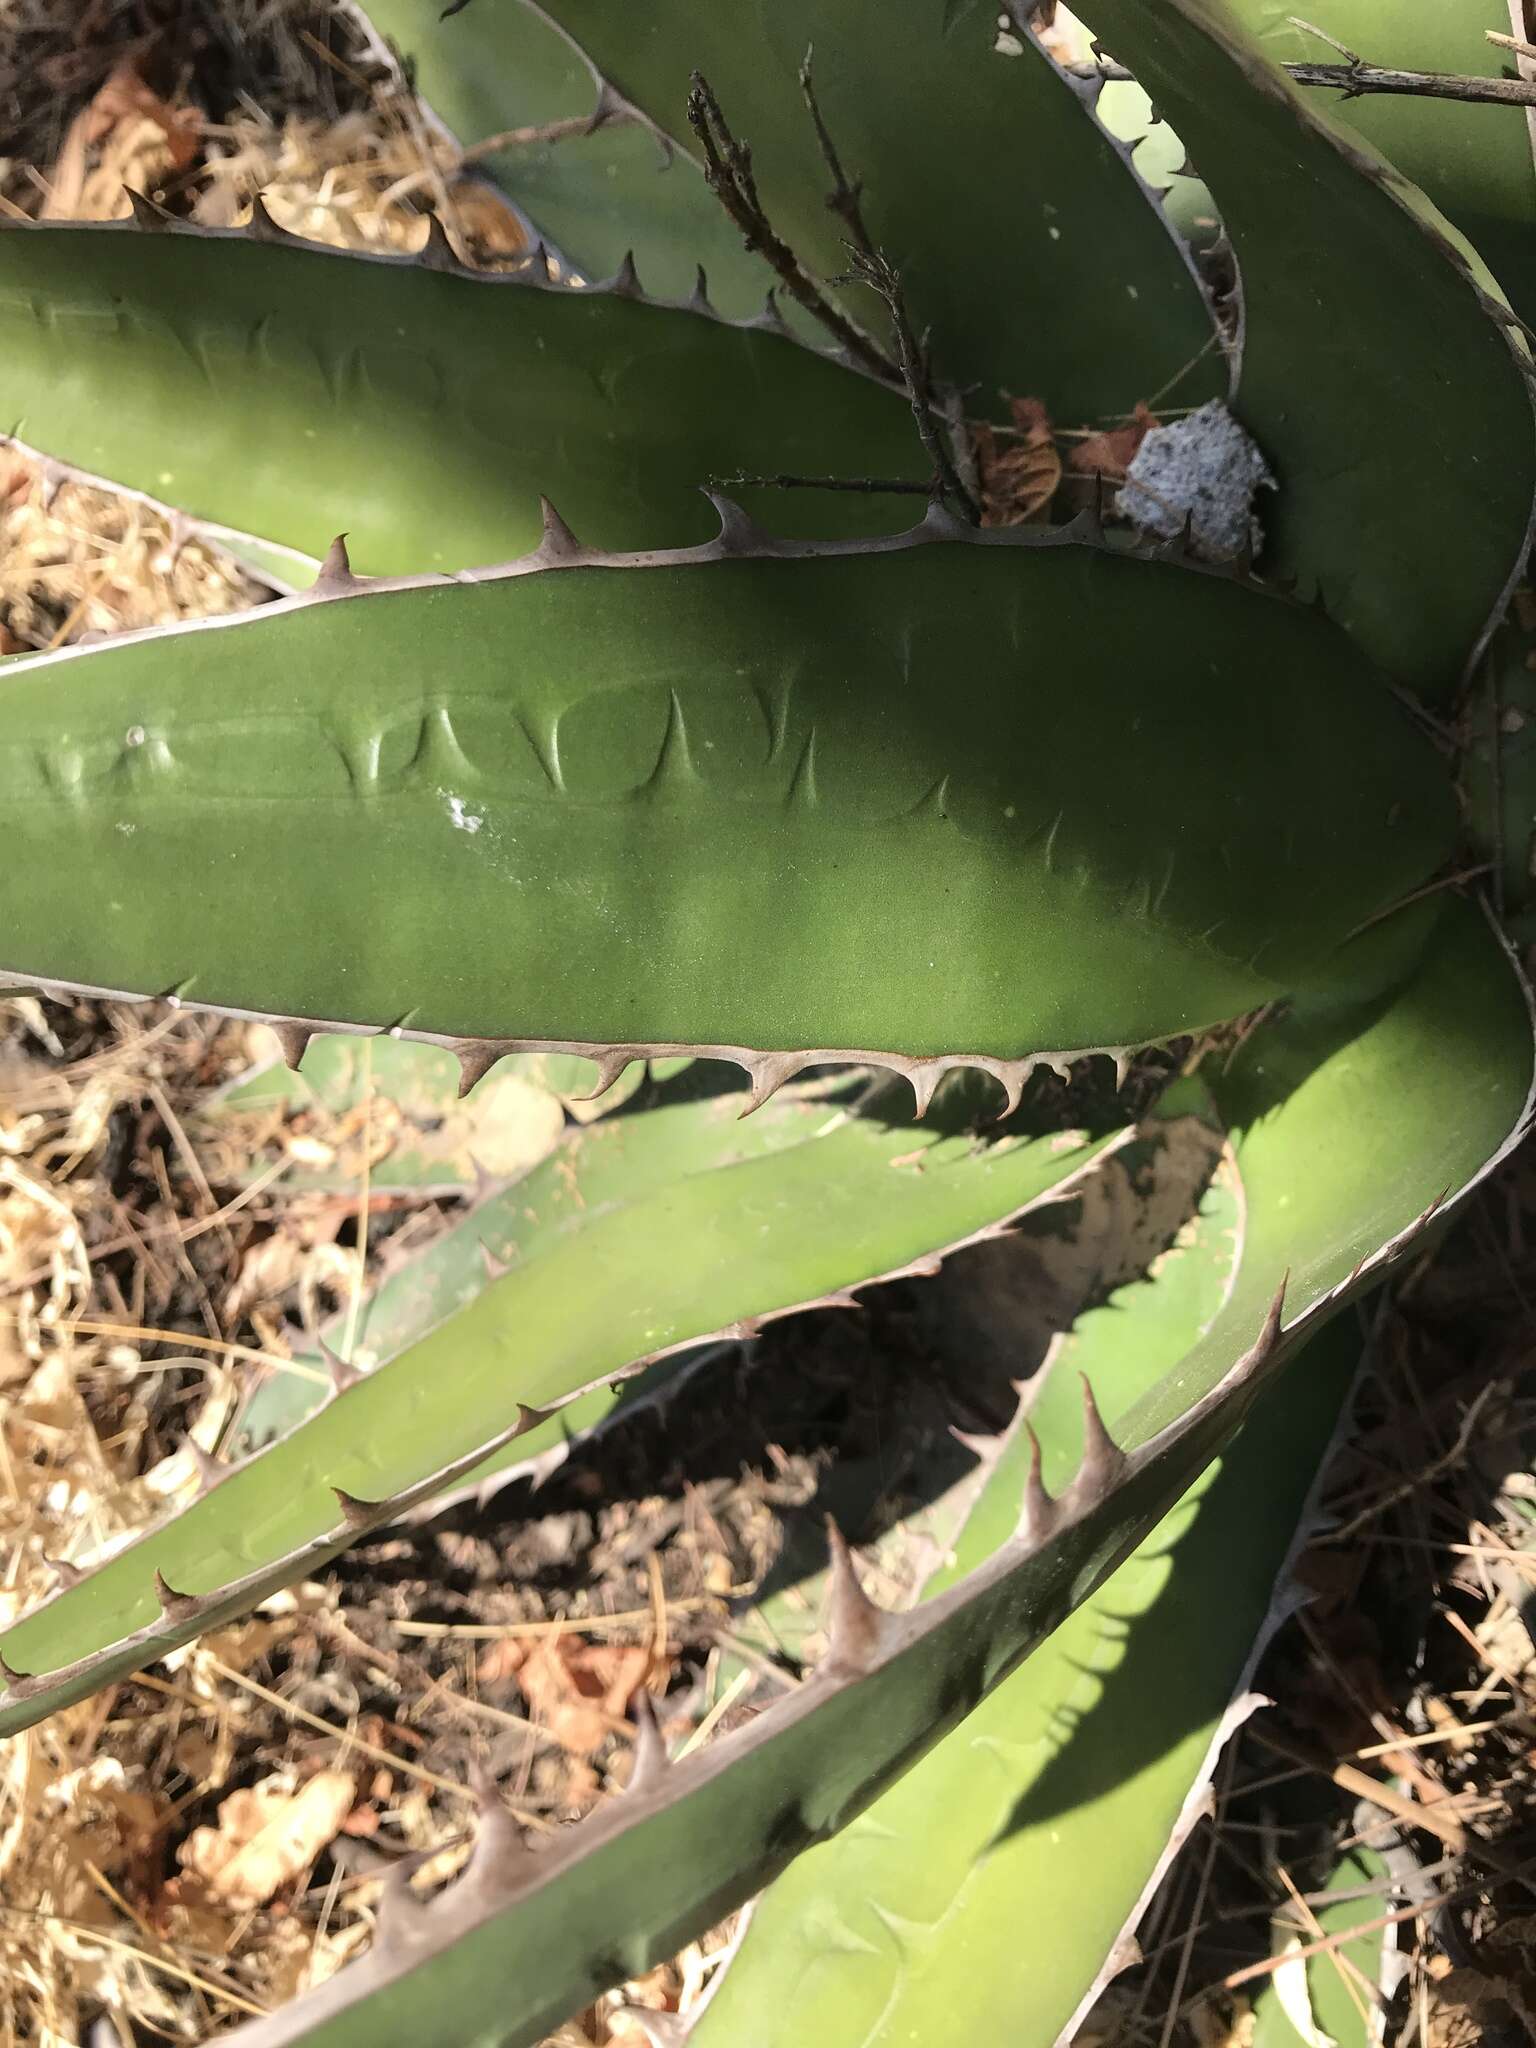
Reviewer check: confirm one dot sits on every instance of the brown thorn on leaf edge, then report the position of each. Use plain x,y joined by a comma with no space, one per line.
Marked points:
437,252
210,1470
1103,1460
146,214
343,1372
294,1039
475,1062
336,569
856,1625
357,1514
651,1762
262,227
557,542
173,1605
1039,1509
496,1267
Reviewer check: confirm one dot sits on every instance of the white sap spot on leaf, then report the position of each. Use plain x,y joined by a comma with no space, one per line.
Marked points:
126,829
462,820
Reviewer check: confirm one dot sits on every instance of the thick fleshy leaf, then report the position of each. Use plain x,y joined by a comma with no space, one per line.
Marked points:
621,185
423,1139
1385,1097
921,803
1393,408
1496,769
618,1164
1473,162
713,1227
1052,1807
297,393
1024,240
1311,1999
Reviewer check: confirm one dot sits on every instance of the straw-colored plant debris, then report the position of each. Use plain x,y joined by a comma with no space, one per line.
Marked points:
77,562
284,100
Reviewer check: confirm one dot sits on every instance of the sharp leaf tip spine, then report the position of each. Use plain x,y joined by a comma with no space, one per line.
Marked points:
343,1373
495,1266
175,1606
651,1762
856,1625
357,1514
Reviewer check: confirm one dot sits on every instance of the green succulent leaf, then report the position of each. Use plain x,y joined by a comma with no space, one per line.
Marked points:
431,1140
296,393
921,803
1057,1802
649,1234
1310,1999
524,1939
1052,273
619,184
1389,457
1473,162
693,1126
1496,769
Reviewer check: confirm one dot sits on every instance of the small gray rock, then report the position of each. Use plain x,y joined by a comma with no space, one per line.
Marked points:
1203,469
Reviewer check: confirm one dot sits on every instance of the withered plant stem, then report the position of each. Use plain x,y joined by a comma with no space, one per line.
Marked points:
728,173
873,485
871,267
1356,79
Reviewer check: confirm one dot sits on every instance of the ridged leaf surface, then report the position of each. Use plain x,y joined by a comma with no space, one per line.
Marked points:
624,185
988,799
1392,408
297,393
1024,241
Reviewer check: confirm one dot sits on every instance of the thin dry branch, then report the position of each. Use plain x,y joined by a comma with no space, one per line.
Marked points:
728,173
1354,79
871,267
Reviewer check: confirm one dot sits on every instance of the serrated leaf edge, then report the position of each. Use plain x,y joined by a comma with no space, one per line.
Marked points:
26,1697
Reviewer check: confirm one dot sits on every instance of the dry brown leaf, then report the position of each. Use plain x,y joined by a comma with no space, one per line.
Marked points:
1111,453
136,138
578,1690
266,1835
1021,473
486,224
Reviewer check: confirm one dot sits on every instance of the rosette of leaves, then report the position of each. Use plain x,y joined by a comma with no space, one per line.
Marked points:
799,778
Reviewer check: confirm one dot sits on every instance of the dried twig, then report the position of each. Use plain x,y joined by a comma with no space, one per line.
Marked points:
874,269
871,267
1355,78
1441,1465
902,486
728,172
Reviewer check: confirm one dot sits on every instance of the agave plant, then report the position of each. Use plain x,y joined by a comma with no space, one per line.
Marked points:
1018,816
